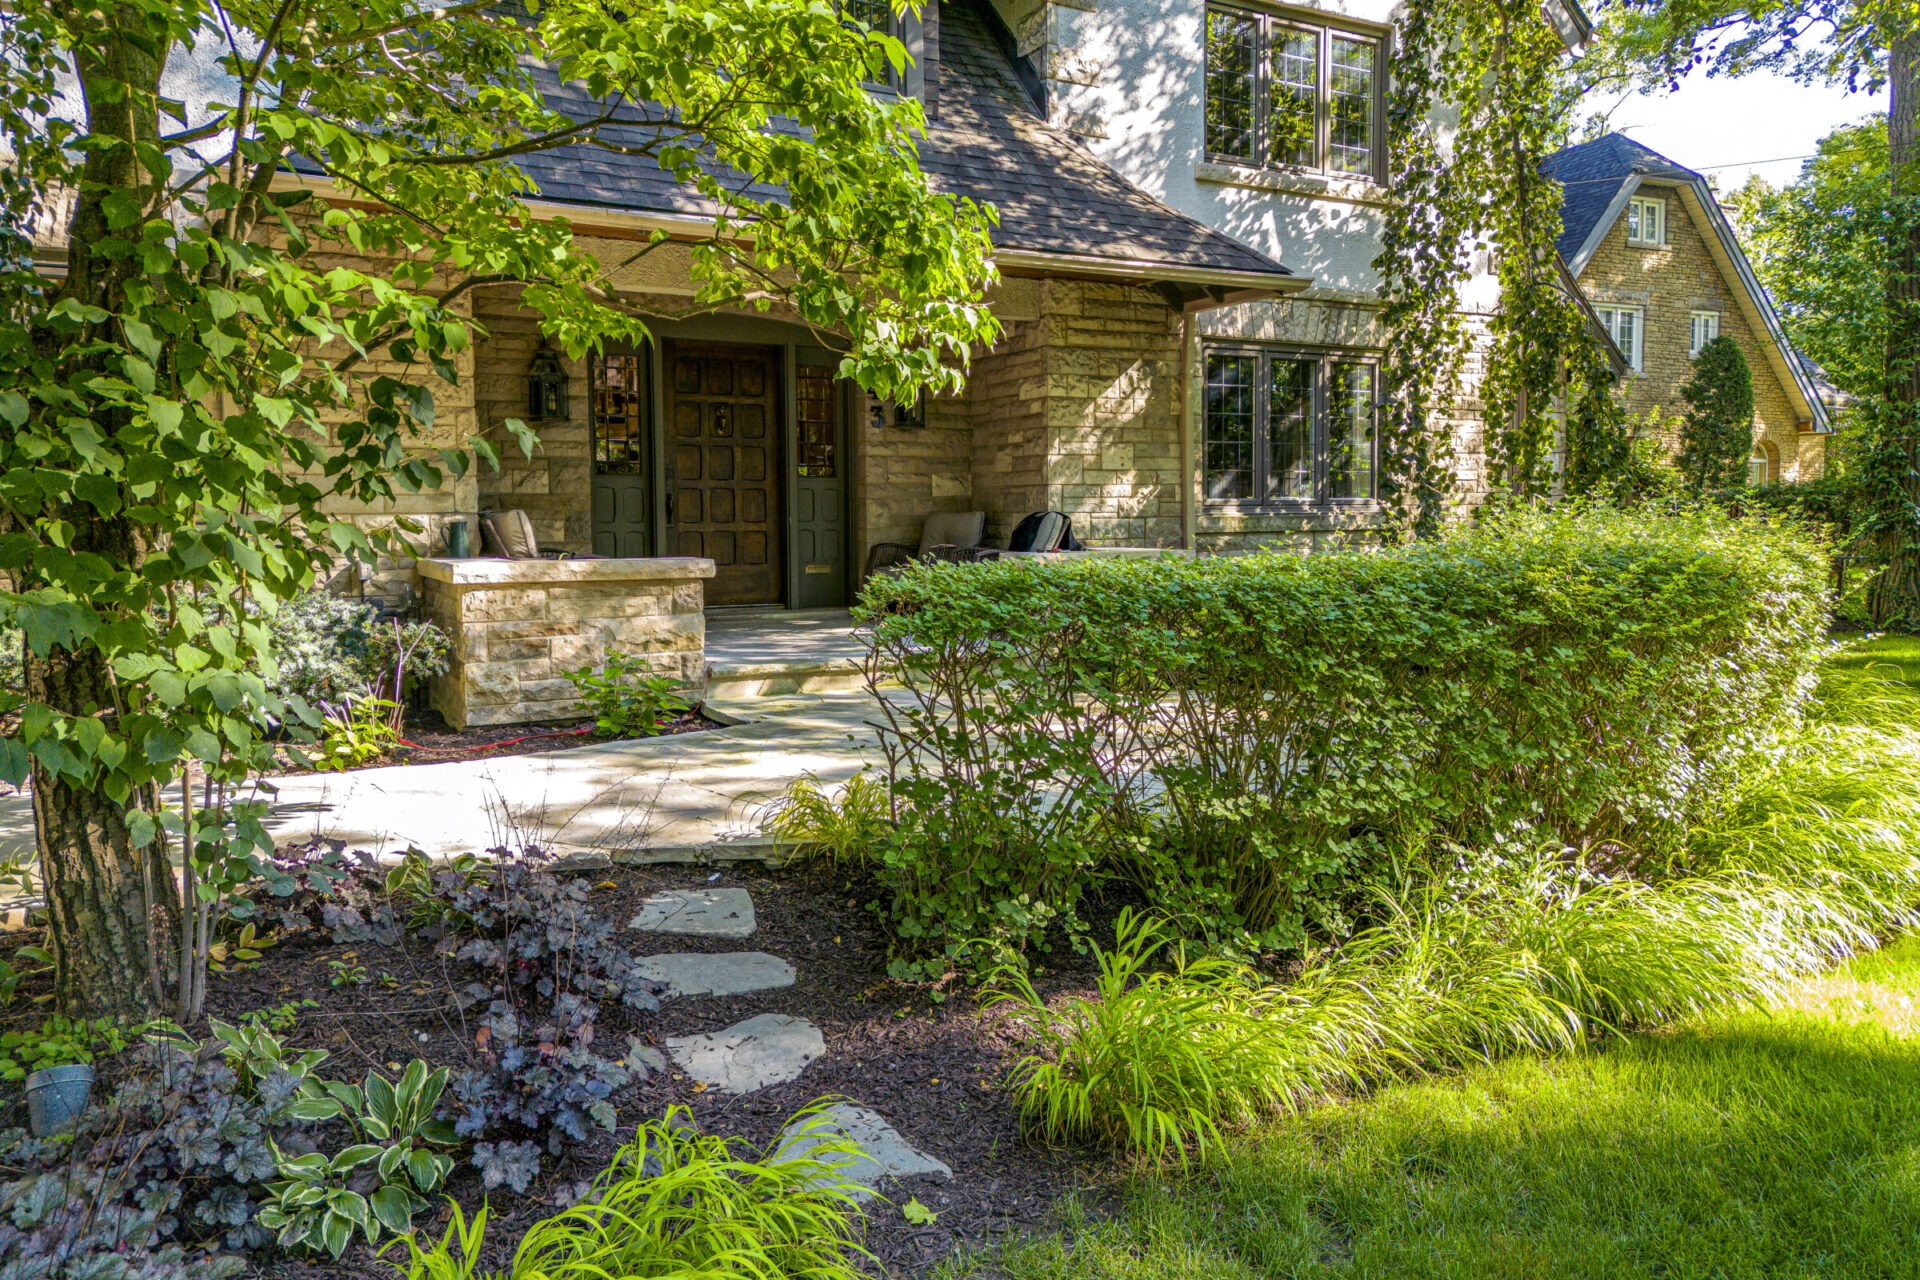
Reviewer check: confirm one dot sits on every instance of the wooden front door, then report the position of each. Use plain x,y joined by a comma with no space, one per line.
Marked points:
722,466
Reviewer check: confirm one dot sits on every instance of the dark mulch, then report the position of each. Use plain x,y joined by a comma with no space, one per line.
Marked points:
430,740
935,1070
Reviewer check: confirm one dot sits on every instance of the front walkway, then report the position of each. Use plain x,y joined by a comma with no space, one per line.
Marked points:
687,797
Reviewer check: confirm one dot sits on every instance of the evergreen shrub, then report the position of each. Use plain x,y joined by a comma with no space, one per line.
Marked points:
1247,739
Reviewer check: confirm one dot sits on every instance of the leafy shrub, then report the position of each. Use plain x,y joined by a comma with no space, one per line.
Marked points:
1812,855
624,699
59,1041
328,648
843,827
356,731
1247,739
1717,438
677,1202
544,961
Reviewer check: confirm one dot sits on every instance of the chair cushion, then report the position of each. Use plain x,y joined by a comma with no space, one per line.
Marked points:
509,534
953,529
1041,531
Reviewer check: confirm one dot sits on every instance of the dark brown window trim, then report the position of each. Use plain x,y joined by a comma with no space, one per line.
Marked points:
1327,26
1324,358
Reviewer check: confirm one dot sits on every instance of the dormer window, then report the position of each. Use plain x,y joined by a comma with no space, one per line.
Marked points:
1647,222
1287,94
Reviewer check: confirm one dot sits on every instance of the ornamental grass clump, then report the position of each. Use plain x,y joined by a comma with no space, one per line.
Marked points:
1811,854
676,1202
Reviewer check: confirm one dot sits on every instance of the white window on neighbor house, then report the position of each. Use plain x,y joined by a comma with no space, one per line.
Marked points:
1703,327
1757,470
1647,220
1624,325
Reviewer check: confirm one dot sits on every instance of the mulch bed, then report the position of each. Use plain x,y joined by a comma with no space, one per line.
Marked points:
933,1069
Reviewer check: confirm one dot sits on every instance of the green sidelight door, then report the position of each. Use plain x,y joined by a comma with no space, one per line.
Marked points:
820,484
622,492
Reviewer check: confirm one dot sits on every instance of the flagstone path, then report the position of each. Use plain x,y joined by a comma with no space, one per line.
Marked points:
769,1048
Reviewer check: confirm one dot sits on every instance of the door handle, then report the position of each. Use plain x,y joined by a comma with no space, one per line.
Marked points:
669,508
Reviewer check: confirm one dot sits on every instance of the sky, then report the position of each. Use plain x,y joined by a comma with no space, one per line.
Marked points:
1722,126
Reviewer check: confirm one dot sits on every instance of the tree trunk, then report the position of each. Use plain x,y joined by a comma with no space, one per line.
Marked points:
113,909
1895,595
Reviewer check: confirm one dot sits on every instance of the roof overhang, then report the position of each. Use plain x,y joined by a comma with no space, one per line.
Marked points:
1723,246
1219,286
1200,287
1569,21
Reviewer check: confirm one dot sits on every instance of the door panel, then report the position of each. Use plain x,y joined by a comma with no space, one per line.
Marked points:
820,537
725,504
621,491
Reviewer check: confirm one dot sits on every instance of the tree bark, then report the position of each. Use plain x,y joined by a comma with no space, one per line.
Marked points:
1895,595
113,909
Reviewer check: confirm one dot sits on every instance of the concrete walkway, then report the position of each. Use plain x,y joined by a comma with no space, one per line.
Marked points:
652,800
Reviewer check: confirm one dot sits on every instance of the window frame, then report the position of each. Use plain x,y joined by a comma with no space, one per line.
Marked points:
1635,357
1325,28
1325,362
1636,206
1693,318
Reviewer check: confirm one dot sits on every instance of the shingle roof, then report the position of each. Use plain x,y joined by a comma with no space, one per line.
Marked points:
1596,178
985,141
1592,175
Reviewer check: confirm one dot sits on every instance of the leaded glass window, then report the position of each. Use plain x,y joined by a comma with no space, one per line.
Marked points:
1279,93
819,447
1229,425
620,414
1289,429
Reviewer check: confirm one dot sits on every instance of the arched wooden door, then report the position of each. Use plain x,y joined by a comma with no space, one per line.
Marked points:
723,472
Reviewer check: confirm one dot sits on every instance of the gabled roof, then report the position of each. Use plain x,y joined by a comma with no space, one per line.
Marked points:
984,140
1599,177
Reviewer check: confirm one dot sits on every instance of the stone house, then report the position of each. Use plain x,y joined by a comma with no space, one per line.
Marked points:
1660,262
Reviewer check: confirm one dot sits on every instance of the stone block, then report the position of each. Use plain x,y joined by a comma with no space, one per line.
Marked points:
512,603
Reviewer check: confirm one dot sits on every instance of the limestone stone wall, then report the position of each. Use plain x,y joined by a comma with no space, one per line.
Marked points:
1077,410
1671,282
553,485
518,626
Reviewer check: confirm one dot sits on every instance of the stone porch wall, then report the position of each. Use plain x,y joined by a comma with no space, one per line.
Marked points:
552,485
518,626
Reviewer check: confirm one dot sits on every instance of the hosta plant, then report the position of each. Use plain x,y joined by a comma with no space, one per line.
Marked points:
313,1207
397,1117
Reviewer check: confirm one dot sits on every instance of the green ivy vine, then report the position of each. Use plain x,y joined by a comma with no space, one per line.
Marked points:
1473,111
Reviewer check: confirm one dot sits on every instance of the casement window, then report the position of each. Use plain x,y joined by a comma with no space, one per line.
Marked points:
1289,429
1287,94
1647,221
1702,327
876,15
1624,326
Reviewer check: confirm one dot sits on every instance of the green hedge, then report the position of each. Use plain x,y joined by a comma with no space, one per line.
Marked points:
1248,738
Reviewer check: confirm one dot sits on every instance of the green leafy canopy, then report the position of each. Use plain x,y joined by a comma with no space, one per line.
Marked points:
226,361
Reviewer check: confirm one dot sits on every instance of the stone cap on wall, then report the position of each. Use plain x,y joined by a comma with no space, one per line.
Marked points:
486,572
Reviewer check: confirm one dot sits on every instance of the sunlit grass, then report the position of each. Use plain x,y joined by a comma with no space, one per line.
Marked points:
1893,657
1739,1145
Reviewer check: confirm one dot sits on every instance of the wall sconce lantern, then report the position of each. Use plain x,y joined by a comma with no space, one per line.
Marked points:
546,385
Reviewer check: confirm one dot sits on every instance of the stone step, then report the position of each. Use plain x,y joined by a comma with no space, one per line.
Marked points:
733,973
769,1049
884,1153
697,913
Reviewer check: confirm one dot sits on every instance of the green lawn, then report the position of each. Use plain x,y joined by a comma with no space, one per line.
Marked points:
1896,657
1757,1145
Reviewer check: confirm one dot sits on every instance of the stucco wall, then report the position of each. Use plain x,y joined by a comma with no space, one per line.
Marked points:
1670,283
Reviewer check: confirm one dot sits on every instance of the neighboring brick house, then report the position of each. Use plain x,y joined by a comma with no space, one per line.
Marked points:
1655,254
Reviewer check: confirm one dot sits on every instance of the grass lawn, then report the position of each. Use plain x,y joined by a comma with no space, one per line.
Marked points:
1755,1145
1895,657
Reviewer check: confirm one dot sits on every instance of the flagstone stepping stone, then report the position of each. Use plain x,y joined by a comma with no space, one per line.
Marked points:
697,913
884,1153
733,973
769,1049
